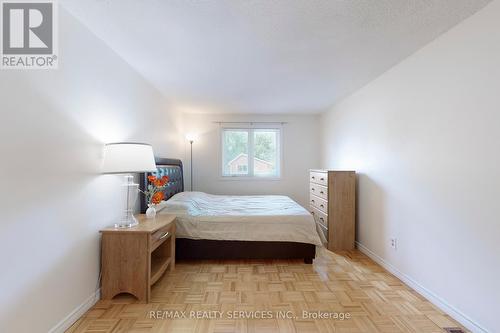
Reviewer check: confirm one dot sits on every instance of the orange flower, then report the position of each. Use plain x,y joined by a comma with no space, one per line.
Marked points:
164,180
157,198
151,178
157,183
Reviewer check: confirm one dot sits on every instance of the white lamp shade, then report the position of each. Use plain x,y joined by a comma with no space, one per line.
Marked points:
127,157
191,137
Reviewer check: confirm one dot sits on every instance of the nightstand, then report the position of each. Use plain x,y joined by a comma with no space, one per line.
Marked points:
133,259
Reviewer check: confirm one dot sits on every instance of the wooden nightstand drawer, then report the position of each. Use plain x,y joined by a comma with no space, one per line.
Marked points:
160,236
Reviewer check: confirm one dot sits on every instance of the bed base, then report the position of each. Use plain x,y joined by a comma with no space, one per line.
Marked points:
191,249
216,249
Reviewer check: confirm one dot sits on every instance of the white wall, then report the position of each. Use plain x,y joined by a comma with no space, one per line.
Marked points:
425,139
54,201
300,153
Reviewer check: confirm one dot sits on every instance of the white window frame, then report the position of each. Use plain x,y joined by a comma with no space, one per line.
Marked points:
251,128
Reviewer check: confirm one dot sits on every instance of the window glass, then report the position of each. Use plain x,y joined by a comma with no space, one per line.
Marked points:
235,152
251,152
265,153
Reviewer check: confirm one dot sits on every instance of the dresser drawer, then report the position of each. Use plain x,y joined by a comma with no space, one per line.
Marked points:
319,216
324,231
319,190
319,203
318,177
161,235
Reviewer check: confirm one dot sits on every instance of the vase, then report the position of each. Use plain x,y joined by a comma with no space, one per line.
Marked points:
151,211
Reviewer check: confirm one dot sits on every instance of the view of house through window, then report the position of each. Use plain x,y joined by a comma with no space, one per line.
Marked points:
251,152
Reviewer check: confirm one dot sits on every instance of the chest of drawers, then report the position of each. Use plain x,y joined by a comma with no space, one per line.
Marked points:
332,203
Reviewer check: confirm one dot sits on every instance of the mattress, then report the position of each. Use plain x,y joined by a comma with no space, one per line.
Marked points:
244,218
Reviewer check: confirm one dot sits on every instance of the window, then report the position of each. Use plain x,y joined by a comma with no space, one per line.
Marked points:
251,152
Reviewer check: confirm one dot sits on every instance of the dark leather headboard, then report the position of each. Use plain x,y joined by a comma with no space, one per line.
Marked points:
165,167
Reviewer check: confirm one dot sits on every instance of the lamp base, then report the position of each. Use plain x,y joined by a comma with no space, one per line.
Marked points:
128,219
127,223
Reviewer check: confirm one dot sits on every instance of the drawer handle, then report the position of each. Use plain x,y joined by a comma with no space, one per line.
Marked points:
322,219
313,189
321,192
322,179
322,206
164,235
312,177
312,213
312,200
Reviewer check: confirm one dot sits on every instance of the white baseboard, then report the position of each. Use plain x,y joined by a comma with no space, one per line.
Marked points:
432,297
77,313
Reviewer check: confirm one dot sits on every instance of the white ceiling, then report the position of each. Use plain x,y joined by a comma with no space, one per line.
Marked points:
265,56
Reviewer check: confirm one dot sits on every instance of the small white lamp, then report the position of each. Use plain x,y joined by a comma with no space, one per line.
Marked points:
126,158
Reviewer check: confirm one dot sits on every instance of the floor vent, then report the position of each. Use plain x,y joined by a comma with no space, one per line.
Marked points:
454,330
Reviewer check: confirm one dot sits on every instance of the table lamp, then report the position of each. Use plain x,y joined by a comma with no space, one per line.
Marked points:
126,158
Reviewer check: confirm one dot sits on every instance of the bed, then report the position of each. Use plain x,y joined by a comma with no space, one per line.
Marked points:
234,227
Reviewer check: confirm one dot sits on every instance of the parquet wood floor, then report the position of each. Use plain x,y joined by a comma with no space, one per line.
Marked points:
344,283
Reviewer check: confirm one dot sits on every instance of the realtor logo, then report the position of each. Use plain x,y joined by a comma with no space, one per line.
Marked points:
29,34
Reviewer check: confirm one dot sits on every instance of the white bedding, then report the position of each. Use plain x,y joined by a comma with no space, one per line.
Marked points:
247,218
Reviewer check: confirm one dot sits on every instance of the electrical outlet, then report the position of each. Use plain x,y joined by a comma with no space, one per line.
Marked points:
394,243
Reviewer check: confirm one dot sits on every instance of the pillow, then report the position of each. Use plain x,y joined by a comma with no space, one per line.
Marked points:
173,206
